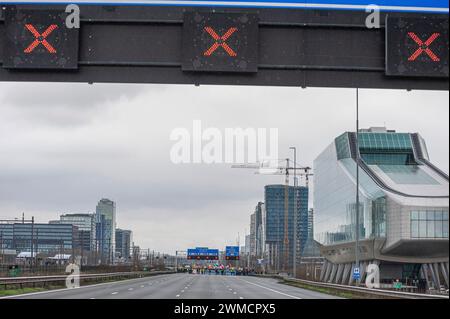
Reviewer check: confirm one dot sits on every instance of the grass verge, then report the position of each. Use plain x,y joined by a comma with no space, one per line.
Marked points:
324,290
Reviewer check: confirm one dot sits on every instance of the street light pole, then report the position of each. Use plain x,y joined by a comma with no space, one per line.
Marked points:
357,186
294,256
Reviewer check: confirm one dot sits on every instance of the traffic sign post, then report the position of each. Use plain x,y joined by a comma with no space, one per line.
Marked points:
356,273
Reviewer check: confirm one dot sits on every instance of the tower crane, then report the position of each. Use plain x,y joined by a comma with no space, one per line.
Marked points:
280,170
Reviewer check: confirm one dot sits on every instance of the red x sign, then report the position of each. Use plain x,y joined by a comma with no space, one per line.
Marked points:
40,38
423,47
220,41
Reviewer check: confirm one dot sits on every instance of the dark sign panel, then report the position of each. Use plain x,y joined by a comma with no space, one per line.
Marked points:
220,42
417,47
39,39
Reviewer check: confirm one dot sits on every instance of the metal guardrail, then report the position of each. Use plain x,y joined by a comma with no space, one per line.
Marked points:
367,291
33,280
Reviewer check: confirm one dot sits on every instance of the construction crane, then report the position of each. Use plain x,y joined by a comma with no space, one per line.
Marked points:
279,170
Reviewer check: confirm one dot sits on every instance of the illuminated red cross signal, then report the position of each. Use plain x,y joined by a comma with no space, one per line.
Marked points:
424,47
40,38
220,41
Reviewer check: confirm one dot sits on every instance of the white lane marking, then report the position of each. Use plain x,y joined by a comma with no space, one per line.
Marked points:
92,298
67,289
114,293
270,289
241,297
177,296
234,293
182,291
142,286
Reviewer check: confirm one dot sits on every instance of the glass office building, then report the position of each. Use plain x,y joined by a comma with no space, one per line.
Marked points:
275,223
403,207
105,218
86,229
124,243
47,239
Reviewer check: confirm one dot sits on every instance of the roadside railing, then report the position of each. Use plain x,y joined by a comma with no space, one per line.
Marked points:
59,280
363,291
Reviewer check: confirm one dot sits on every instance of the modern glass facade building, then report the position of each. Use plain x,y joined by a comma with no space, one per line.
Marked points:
86,229
105,218
403,208
42,238
124,243
275,223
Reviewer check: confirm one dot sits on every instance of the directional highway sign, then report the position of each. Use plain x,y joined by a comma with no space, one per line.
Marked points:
232,253
203,253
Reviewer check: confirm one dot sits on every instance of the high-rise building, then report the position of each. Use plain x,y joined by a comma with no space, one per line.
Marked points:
403,207
105,218
259,229
276,244
124,243
252,235
86,229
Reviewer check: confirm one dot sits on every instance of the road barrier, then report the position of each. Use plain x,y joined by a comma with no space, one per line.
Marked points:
363,291
48,281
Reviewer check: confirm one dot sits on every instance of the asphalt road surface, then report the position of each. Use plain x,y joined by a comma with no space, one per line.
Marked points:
184,286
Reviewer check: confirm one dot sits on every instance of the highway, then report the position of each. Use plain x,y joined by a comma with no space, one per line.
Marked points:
183,286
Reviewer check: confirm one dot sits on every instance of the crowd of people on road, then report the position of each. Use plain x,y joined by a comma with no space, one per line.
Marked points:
218,270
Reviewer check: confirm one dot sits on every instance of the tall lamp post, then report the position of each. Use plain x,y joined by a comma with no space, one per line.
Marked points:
357,187
294,255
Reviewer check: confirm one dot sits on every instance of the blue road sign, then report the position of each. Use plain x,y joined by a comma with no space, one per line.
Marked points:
232,251
202,253
356,273
437,6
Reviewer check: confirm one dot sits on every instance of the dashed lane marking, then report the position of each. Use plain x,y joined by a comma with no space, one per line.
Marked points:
270,289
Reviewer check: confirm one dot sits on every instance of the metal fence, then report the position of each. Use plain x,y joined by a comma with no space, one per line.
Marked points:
55,281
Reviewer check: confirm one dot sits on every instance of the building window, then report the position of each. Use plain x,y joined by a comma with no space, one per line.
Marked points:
429,224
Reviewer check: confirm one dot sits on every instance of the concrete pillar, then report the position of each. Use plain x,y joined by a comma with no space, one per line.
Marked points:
327,272
333,273
322,271
433,276
339,273
363,268
444,274
346,273
438,279
424,273
350,279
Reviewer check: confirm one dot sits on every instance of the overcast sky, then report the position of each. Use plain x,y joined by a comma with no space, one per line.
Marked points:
65,146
